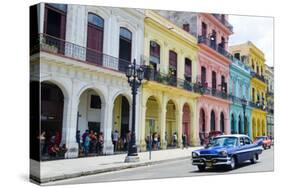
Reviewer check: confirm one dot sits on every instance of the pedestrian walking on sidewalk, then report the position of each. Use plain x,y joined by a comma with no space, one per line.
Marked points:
175,139
86,142
115,137
184,140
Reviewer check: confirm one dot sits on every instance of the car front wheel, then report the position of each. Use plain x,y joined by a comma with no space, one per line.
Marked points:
232,163
201,168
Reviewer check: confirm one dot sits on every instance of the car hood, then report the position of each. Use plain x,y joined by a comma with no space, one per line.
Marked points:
213,150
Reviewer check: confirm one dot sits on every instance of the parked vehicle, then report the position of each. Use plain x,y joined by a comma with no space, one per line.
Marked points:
228,151
266,141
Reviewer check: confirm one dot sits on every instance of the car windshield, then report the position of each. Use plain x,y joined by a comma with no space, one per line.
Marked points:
223,141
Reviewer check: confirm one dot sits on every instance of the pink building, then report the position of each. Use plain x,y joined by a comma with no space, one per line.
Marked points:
213,32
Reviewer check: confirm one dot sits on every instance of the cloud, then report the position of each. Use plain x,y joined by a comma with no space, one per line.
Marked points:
257,29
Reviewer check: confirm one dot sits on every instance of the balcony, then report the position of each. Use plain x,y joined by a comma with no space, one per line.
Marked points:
258,105
166,79
223,21
70,50
216,47
260,77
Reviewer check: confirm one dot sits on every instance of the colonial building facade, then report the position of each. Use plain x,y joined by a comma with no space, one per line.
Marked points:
84,51
240,82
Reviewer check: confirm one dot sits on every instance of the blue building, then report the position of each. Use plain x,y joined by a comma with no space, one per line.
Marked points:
240,82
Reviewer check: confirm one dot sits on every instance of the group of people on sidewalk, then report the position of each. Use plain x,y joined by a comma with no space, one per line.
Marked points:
154,141
50,145
90,142
121,142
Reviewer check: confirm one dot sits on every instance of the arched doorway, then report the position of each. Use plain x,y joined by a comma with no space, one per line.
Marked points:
222,122
240,129
171,127
152,124
120,123
89,121
186,122
52,102
233,130
213,121
125,48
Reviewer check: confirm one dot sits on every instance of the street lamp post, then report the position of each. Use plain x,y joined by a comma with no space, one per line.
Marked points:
244,104
135,76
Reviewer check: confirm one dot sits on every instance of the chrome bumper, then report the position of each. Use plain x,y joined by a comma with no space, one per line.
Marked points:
211,162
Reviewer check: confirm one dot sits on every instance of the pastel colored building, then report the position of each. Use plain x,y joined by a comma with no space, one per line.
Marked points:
254,58
239,89
168,101
212,31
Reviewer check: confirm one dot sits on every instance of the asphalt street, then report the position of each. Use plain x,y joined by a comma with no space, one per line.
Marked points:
178,168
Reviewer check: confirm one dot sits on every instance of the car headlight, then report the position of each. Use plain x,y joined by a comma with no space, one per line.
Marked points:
223,153
195,154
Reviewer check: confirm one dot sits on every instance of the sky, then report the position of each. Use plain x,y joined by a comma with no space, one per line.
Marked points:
257,29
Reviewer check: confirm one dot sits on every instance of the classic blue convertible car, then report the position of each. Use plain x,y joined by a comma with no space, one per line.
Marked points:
227,150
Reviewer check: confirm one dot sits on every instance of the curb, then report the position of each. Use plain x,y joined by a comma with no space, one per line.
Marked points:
99,171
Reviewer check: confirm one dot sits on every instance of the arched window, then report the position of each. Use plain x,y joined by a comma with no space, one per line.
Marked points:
95,39
125,48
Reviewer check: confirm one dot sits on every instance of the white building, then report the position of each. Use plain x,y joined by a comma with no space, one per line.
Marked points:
83,54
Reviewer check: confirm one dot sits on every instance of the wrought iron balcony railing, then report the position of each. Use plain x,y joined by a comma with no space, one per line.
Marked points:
64,48
151,74
260,77
241,64
270,94
218,48
223,21
258,105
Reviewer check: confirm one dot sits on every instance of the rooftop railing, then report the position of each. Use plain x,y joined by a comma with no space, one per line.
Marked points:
61,47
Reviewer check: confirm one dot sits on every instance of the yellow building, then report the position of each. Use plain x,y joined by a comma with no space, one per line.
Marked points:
254,57
168,103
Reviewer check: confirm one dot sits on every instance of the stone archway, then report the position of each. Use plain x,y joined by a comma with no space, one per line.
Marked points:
152,123
90,117
121,122
222,122
171,127
213,121
186,122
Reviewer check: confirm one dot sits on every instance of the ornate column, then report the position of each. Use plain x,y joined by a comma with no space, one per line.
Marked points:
217,123
162,121
142,129
106,121
179,126
70,126
194,126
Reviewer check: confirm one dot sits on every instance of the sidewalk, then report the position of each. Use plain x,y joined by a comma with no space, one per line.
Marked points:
70,168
